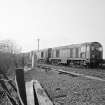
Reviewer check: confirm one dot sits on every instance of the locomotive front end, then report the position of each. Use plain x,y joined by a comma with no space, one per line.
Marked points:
96,53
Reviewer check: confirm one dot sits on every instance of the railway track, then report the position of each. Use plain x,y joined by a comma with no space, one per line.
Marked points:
72,73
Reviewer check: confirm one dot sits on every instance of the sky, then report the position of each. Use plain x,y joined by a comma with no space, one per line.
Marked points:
54,22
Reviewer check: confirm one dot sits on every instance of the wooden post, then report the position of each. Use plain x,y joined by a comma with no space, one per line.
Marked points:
21,86
30,92
40,95
36,94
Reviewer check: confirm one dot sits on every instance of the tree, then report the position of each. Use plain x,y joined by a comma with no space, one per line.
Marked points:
9,52
9,46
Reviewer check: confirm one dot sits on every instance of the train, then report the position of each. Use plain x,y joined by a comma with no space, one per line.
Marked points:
85,54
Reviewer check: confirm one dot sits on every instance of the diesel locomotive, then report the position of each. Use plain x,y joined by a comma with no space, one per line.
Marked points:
86,54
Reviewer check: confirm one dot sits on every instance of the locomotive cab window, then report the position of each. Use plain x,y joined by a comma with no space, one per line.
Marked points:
83,48
100,49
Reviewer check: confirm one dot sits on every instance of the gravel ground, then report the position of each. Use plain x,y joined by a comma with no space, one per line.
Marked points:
68,90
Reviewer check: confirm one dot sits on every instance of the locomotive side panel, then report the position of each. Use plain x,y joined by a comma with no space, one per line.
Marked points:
71,52
55,53
55,56
85,51
74,52
64,54
42,55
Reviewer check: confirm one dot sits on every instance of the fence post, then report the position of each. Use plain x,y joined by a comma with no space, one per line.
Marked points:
21,85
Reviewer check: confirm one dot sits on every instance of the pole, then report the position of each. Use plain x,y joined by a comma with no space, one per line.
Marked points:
33,59
38,43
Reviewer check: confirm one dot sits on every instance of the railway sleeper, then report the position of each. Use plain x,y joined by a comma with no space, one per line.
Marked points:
70,74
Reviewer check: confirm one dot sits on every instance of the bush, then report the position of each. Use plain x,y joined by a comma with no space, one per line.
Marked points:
9,62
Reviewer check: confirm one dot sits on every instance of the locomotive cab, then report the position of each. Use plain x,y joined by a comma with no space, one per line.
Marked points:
96,53
91,54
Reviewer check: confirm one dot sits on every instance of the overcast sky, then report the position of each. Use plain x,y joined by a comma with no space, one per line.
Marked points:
55,22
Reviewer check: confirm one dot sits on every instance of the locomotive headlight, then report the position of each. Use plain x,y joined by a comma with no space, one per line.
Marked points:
100,49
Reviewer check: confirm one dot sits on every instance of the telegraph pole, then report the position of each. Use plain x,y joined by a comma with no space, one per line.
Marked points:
34,56
33,61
